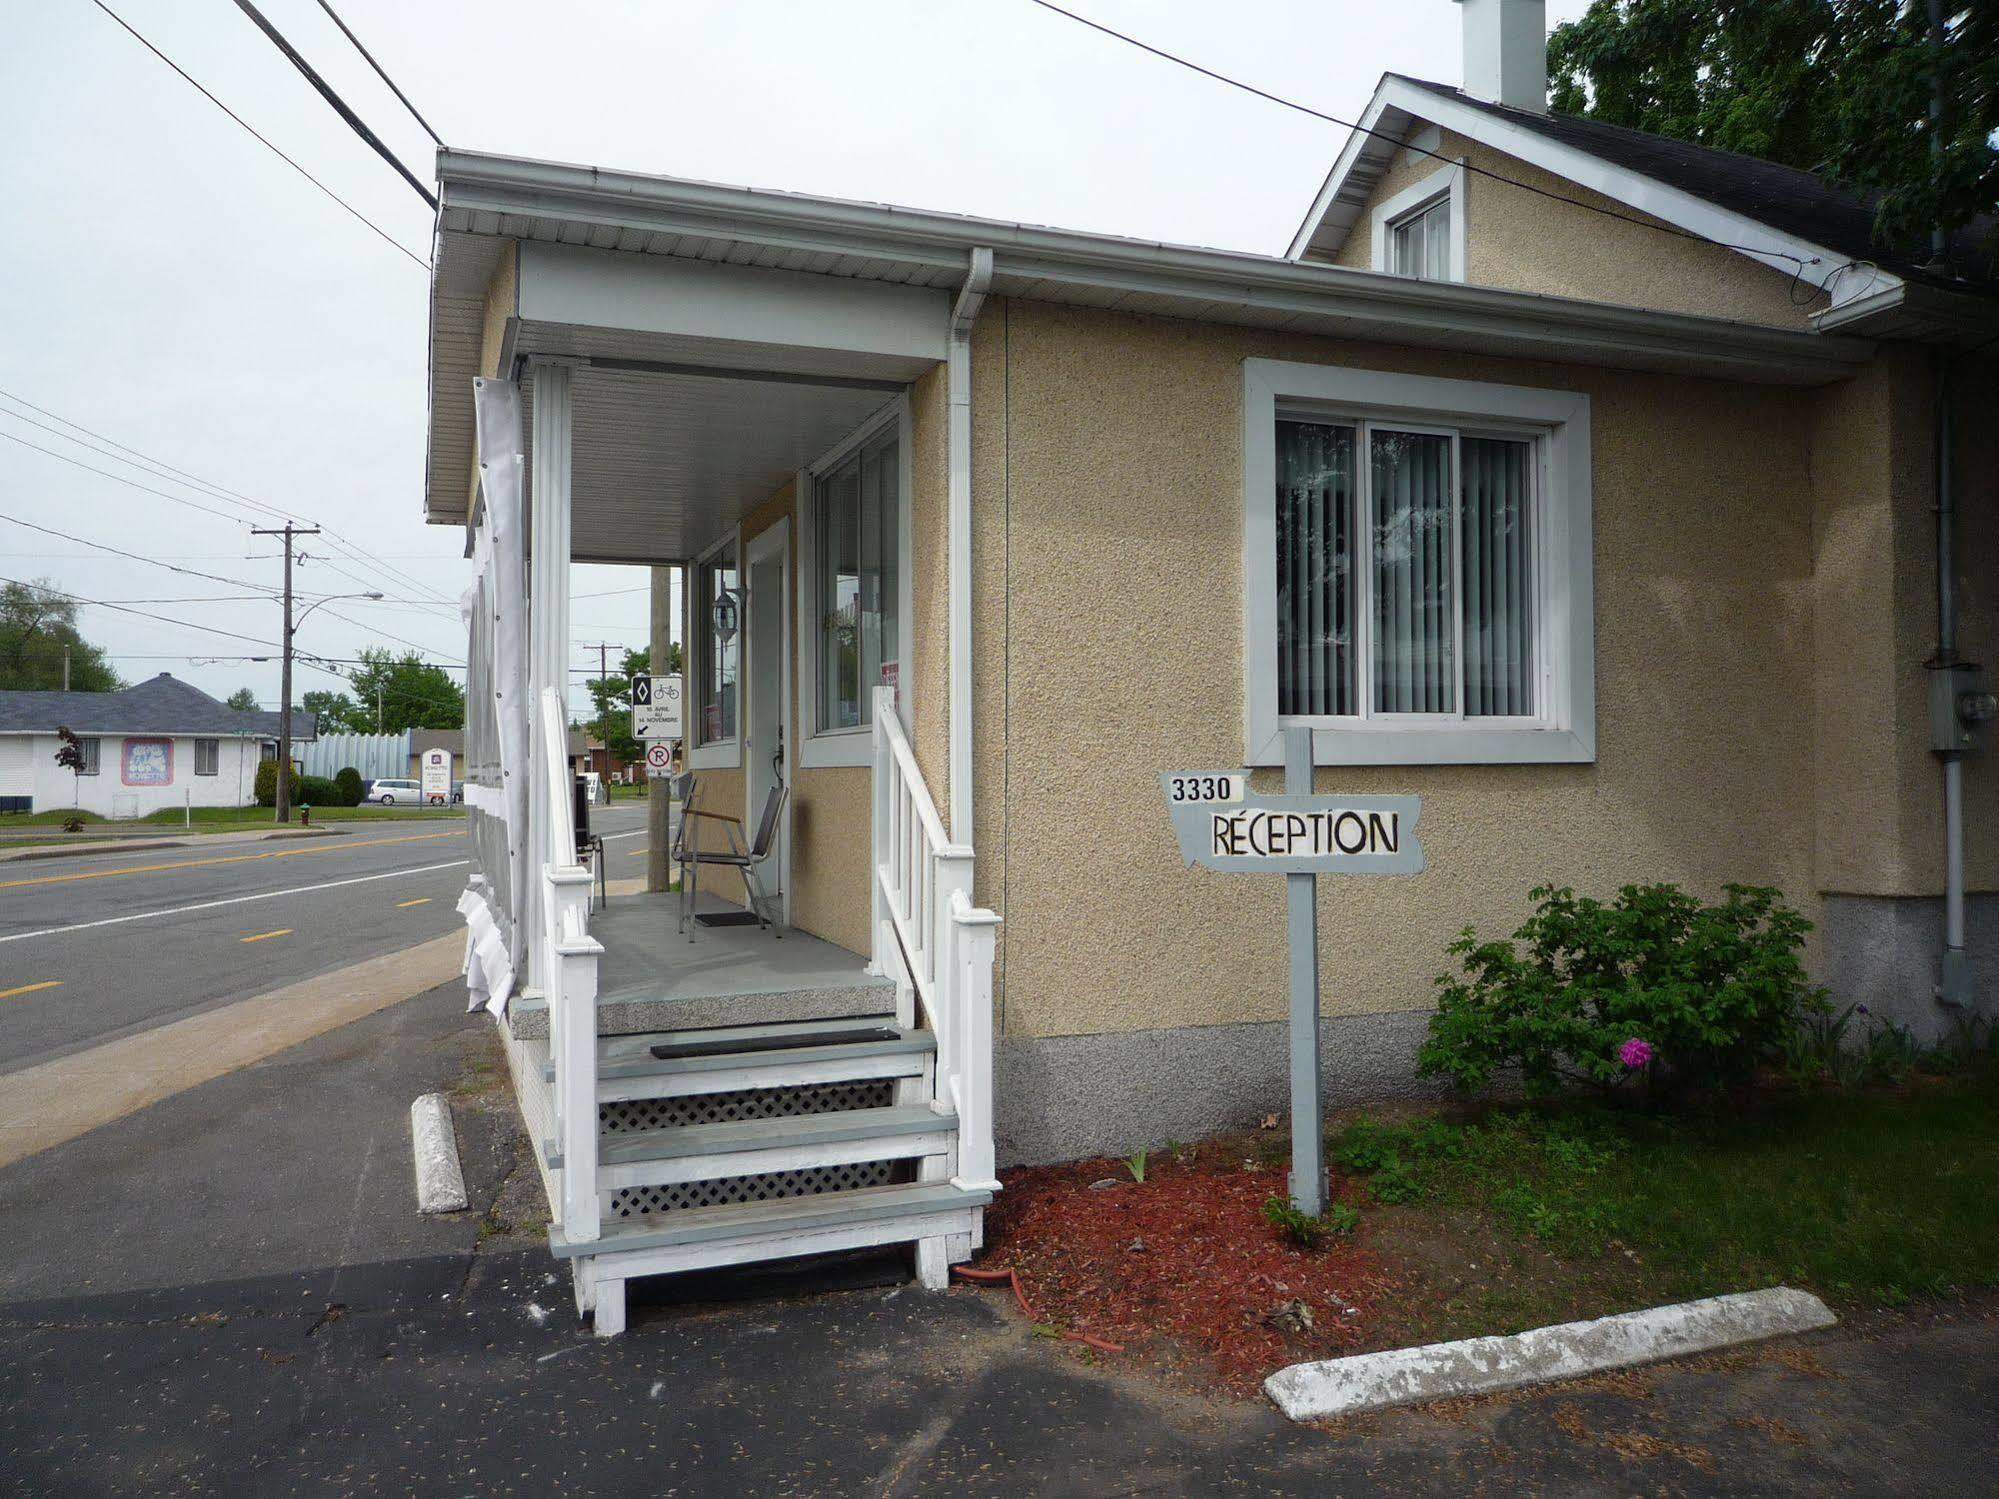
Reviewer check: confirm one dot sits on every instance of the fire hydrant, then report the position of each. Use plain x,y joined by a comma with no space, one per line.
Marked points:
305,816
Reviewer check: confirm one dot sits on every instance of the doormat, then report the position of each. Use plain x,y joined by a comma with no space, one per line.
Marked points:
727,918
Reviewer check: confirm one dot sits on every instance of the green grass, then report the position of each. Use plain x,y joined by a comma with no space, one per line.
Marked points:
252,816
1864,1197
51,817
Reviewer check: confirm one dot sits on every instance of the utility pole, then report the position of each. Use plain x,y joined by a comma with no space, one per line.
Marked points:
285,675
65,667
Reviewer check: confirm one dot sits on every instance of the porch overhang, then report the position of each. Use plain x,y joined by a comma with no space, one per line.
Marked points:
633,266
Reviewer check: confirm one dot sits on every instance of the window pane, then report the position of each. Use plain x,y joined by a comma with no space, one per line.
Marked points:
715,674
838,593
1414,666
1403,241
856,527
1315,498
1499,583
1437,241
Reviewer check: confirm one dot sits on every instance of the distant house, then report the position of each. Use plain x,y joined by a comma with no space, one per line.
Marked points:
161,743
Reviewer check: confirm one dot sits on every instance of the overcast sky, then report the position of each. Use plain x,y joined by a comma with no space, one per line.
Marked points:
169,283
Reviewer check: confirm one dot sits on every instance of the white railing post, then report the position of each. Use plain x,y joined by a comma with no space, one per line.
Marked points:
884,790
972,957
570,984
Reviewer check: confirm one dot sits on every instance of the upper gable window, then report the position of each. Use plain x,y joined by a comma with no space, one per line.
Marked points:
1420,231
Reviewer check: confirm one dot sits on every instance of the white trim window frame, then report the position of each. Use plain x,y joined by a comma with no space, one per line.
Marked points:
724,753
822,748
1445,187
1562,730
207,752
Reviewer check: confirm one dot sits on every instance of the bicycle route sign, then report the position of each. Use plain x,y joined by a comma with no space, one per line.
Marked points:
655,707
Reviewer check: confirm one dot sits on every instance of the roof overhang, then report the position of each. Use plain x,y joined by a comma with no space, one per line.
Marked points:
1399,107
486,201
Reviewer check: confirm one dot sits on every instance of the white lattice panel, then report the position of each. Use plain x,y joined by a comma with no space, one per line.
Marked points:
626,1116
633,1202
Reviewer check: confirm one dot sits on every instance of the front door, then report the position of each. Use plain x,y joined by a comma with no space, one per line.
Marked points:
767,727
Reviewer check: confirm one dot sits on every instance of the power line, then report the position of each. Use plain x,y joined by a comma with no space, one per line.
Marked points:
120,478
1319,114
347,32
339,105
100,546
147,463
387,238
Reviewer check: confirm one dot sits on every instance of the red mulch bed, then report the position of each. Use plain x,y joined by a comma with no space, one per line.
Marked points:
1181,1267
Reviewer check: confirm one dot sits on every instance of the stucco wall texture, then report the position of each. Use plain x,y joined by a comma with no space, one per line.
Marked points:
1108,611
1527,241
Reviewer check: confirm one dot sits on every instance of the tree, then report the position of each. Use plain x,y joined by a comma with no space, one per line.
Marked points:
337,713
409,692
1839,87
36,623
612,698
243,700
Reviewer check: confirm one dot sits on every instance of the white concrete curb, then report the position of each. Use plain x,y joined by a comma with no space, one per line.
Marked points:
1480,1366
440,1185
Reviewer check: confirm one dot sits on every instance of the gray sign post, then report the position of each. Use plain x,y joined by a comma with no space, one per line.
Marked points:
1222,825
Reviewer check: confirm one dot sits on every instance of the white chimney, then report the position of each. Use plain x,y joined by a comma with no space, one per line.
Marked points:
1506,52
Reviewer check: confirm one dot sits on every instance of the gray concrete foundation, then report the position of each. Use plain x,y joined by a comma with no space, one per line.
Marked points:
1882,951
1061,1097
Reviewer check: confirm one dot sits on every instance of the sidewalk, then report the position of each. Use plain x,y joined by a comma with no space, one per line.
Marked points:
230,1292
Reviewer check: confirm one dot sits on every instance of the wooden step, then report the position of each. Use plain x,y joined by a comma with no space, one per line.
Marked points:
734,1058
752,1147
786,1215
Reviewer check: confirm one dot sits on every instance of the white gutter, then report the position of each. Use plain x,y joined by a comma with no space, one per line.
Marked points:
958,399
506,196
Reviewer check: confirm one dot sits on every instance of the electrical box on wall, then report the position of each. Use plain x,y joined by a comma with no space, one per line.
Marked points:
1961,705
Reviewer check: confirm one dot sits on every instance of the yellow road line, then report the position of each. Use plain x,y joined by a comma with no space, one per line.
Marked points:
333,846
638,853
421,900
30,988
283,931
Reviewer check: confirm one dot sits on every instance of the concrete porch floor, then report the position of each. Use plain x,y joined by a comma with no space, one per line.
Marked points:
653,978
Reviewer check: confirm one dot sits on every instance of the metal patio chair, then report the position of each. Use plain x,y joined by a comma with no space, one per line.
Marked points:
745,860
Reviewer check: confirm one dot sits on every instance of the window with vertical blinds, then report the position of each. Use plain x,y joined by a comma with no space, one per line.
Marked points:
1407,585
1420,243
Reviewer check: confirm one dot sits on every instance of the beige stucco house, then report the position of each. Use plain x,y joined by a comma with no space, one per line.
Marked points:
1581,483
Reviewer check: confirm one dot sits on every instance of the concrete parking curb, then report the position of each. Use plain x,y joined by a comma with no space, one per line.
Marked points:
1483,1366
440,1183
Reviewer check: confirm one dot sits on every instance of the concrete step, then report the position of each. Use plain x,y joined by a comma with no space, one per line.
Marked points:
728,1059
754,1147
758,1220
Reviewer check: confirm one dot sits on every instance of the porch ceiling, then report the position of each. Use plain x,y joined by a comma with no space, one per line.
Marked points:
665,463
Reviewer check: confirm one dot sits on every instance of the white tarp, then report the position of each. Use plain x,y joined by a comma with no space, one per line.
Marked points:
496,707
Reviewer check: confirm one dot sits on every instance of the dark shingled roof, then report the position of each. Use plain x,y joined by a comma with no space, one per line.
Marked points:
160,705
1795,202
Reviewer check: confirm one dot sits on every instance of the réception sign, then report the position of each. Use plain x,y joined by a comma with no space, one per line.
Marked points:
1223,825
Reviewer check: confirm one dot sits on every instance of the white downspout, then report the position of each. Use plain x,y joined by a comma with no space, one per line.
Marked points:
958,395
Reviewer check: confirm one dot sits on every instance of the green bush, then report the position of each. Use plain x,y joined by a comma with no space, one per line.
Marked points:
348,779
267,784
1709,991
318,791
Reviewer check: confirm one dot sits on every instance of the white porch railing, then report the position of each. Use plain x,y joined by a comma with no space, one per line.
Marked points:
932,940
570,985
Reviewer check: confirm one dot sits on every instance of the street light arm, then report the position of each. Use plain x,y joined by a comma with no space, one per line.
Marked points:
329,599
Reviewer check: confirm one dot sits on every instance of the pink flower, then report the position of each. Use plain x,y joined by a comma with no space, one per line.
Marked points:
1635,1053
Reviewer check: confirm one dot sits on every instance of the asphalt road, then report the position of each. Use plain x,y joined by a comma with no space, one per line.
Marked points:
97,947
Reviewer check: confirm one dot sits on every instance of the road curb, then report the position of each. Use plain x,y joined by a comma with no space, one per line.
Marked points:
440,1183
1569,1350
144,845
